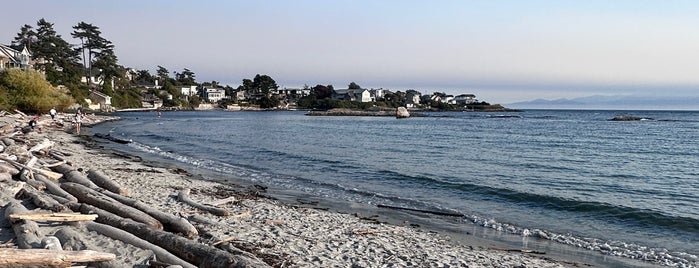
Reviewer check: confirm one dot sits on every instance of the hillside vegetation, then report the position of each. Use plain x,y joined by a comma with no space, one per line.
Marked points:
28,91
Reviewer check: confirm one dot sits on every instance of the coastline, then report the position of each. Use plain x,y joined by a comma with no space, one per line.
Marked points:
299,235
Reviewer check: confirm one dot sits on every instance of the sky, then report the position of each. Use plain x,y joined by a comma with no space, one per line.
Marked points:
502,51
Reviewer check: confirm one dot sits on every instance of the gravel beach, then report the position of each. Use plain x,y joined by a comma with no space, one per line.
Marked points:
279,234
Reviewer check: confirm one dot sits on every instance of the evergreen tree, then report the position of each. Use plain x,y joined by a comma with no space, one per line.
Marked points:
25,37
57,58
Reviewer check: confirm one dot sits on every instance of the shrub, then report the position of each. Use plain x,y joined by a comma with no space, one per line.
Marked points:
28,91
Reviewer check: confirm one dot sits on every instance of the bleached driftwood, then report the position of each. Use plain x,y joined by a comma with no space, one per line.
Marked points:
118,234
97,199
47,173
170,222
105,182
49,258
26,232
53,217
219,202
46,143
184,197
189,250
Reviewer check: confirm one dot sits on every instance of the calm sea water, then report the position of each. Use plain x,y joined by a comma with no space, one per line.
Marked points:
621,188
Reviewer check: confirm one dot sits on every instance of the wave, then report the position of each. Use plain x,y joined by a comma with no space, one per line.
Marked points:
641,217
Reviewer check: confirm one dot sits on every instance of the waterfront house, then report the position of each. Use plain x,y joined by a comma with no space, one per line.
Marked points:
214,94
465,99
15,57
188,91
101,100
412,99
377,94
361,95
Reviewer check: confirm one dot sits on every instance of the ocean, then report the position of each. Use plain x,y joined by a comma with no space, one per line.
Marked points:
619,188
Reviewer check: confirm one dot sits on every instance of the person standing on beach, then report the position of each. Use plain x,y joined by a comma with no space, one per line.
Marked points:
78,121
52,112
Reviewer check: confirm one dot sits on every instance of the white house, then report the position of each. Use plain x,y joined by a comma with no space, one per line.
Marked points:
464,99
215,94
361,95
104,101
188,91
15,57
449,99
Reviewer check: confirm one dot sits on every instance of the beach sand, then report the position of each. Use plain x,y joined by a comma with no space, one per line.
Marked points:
283,235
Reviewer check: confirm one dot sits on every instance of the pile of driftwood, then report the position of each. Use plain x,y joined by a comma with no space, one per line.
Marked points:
38,185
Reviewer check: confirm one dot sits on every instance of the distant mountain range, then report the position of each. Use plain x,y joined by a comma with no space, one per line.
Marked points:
618,102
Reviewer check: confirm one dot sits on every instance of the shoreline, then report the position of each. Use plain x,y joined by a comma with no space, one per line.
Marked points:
459,230
302,235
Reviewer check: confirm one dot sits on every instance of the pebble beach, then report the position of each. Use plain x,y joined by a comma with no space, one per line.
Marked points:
278,234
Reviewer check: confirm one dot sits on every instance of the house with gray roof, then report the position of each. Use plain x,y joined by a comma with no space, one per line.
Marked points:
15,57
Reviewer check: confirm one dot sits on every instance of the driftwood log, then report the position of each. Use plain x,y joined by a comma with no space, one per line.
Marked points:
97,199
47,173
170,222
184,197
191,251
105,182
41,200
118,234
73,175
26,232
53,217
49,258
74,240
54,188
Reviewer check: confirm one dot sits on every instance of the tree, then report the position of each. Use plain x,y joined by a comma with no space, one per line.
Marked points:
322,92
353,85
60,61
144,77
102,50
263,84
25,37
186,77
163,74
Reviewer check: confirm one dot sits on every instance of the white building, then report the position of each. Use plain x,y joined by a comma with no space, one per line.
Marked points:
15,57
188,91
215,94
360,95
464,99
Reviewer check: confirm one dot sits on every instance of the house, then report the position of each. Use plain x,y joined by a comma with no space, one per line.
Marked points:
464,99
377,94
294,93
448,99
103,102
188,91
95,78
360,95
15,57
412,99
241,95
214,94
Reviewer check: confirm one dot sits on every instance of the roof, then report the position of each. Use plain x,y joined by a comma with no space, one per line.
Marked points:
9,52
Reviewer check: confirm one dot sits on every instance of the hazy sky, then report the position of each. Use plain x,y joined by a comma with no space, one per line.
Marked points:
502,51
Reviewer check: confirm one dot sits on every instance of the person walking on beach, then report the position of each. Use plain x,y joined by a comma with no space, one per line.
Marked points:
78,121
52,112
